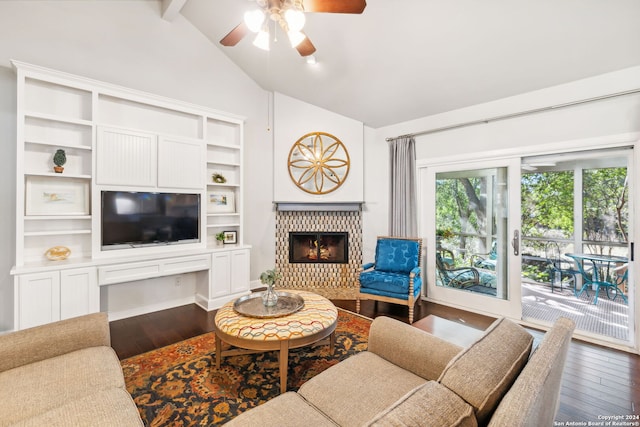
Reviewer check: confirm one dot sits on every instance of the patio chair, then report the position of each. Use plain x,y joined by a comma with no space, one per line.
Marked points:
395,275
621,276
554,265
447,255
462,277
594,280
486,261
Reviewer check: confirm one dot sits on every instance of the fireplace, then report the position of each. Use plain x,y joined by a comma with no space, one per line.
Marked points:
319,247
332,280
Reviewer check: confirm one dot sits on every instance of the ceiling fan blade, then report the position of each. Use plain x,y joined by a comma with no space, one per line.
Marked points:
305,48
235,35
334,6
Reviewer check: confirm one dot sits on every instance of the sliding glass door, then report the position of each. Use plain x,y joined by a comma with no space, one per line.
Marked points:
535,239
577,231
473,255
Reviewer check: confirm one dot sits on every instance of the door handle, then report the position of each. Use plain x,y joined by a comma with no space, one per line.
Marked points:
516,242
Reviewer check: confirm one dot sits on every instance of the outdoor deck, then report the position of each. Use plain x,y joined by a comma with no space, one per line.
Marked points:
608,317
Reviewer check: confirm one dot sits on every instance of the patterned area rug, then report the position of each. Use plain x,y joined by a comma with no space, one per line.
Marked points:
178,385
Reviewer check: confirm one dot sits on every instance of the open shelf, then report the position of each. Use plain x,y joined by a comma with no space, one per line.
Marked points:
55,233
55,217
234,224
56,118
221,163
213,184
57,144
58,175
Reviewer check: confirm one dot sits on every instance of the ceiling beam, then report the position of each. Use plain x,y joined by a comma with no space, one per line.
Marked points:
171,9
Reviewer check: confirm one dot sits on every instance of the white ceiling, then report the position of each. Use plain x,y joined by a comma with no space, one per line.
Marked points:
405,59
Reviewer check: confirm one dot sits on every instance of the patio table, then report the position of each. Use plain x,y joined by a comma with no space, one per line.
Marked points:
602,273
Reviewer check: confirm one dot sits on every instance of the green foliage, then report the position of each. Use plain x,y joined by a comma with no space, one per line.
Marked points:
269,277
605,209
455,211
536,272
547,204
547,211
59,158
220,236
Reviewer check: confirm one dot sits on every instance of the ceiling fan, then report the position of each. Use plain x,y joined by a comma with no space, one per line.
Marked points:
289,14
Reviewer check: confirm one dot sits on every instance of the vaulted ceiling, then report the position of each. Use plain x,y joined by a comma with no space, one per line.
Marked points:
405,59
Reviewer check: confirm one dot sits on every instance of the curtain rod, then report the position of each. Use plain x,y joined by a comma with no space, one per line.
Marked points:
518,114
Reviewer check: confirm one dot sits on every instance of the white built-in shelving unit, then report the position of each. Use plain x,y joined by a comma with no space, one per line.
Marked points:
124,140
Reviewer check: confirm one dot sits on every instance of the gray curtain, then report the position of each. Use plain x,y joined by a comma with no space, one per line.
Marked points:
403,220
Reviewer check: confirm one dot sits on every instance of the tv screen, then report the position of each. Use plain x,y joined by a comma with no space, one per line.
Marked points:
139,219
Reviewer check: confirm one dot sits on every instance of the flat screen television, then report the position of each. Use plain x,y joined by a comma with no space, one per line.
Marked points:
133,219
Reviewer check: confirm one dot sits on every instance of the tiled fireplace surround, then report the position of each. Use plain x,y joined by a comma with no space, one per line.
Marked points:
337,281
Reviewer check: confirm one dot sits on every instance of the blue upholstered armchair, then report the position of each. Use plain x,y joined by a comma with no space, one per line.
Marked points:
395,275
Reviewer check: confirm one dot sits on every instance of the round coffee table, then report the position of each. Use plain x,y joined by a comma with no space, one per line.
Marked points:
315,324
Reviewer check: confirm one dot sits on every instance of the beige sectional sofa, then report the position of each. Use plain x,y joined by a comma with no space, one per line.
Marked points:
64,374
411,378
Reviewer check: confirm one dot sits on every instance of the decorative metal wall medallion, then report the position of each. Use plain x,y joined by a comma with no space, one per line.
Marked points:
318,163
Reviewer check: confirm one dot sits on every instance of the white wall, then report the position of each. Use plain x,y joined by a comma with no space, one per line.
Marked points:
128,44
294,119
375,212
7,193
608,117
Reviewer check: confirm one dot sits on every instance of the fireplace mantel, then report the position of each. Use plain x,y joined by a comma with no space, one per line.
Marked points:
318,207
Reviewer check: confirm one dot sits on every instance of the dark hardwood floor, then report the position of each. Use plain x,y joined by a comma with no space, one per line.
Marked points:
597,382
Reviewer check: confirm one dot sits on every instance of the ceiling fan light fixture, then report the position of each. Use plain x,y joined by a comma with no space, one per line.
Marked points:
262,40
295,37
295,19
254,19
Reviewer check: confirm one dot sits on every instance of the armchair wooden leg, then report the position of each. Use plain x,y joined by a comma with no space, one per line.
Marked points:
358,305
411,314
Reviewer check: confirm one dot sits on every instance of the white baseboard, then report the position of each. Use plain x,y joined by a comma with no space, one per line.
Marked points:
117,315
215,303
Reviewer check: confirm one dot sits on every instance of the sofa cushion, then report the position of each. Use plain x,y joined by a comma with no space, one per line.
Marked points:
483,372
410,348
533,398
105,408
35,344
397,255
355,390
429,405
288,409
42,386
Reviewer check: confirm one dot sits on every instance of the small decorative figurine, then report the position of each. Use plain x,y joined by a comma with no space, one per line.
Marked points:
218,178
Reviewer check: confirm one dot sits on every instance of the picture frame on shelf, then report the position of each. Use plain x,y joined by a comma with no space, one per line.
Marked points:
46,196
230,237
221,202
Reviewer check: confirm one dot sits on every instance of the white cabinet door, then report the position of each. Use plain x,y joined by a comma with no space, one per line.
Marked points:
37,299
220,274
240,271
79,292
180,163
126,157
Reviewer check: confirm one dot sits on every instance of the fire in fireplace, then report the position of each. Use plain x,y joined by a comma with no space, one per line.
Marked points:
311,247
